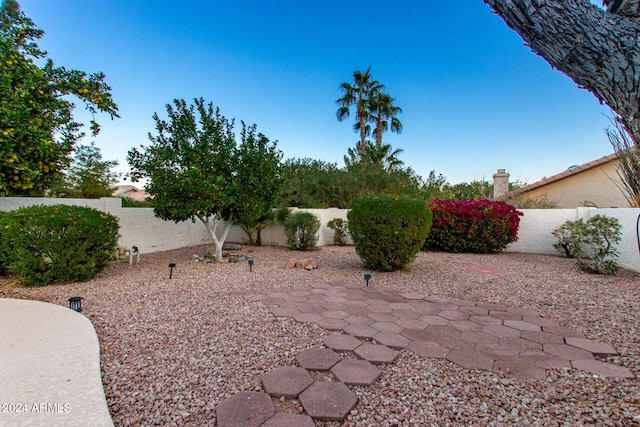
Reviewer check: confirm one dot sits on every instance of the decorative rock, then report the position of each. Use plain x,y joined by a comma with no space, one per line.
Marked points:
287,381
231,247
291,264
245,409
309,264
328,401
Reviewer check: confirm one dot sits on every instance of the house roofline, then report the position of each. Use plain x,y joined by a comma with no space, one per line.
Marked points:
565,174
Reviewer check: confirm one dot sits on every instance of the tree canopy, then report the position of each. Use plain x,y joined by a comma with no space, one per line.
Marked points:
88,177
197,170
37,127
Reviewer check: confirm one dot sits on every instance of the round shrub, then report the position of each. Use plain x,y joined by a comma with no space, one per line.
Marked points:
301,229
47,244
477,226
388,232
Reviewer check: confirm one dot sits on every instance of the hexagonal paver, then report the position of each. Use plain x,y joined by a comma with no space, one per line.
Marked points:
501,331
601,368
387,327
328,401
486,320
334,314
465,326
434,320
287,381
567,351
246,409
522,325
413,296
356,372
412,323
359,320
283,419
383,317
285,312
453,315
545,360
307,317
470,360
333,324
317,359
428,349
541,337
520,369
341,342
375,353
598,349
361,331
392,339
564,332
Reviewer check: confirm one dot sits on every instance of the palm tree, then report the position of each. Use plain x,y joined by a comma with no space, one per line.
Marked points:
359,92
383,113
383,157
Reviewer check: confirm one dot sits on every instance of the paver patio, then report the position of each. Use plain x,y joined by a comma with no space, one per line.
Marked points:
375,324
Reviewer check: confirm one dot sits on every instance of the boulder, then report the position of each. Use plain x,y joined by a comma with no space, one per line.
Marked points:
291,263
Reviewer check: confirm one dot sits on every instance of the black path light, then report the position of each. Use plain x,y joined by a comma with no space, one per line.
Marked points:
75,303
367,277
250,264
171,267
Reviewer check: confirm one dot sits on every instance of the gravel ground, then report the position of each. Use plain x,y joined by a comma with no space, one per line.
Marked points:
173,349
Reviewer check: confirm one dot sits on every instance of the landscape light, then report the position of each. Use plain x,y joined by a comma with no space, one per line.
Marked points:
171,267
75,304
367,277
250,265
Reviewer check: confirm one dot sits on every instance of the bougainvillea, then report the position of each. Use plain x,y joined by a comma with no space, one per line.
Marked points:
479,226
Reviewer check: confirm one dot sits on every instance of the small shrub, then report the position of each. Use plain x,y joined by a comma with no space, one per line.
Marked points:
569,237
591,243
477,226
339,226
47,244
301,229
388,232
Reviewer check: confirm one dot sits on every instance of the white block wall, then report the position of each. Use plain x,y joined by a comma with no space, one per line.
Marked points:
139,227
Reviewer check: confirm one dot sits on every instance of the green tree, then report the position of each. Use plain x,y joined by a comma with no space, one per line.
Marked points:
260,179
89,177
37,127
358,93
196,169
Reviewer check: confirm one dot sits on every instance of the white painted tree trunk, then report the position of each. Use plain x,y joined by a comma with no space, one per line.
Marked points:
596,49
211,223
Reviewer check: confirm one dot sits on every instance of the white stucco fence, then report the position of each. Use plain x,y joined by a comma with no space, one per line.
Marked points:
139,227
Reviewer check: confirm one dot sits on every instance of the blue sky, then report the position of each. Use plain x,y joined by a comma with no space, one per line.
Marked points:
475,99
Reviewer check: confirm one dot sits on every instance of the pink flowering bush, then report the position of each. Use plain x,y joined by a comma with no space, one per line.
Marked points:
478,226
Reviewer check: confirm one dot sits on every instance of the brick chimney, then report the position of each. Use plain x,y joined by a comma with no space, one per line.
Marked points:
500,185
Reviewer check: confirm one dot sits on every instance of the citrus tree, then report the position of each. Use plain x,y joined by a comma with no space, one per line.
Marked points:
37,128
197,170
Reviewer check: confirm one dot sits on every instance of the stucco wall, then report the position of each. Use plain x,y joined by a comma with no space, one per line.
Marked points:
596,185
138,226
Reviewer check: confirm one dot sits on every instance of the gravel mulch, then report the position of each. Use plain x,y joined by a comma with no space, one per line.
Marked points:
173,349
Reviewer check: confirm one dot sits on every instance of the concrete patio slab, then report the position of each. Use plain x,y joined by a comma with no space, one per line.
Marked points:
50,358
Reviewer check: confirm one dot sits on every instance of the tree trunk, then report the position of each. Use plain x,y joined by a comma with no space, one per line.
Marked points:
597,50
211,224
